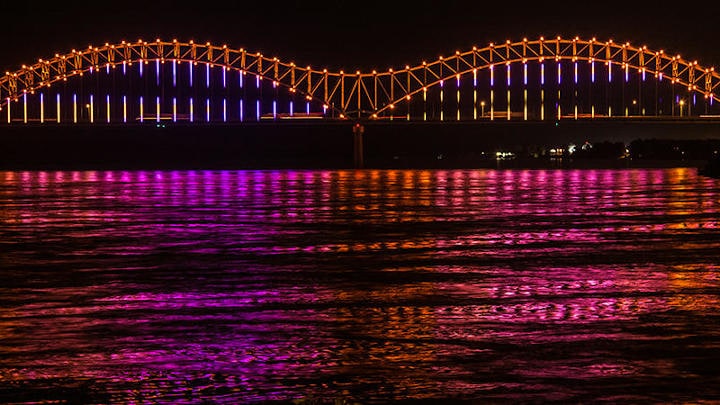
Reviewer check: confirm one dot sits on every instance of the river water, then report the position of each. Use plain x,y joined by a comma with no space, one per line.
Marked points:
359,286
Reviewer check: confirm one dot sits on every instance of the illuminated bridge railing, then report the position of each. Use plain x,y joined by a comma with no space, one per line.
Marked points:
543,79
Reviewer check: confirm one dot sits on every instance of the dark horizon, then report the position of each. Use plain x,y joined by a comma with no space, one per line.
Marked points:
345,35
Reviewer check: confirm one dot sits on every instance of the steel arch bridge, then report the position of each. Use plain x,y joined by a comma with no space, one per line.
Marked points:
542,79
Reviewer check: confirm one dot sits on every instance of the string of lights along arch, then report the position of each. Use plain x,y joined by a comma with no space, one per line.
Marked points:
172,81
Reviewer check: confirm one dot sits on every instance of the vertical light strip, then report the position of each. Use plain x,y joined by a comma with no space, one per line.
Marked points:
508,104
42,108
157,109
192,111
492,105
174,109
207,75
107,107
559,73
442,92
207,110
425,103
458,97
576,72
257,101
124,109
57,107
74,108
25,118
474,94
142,110
92,109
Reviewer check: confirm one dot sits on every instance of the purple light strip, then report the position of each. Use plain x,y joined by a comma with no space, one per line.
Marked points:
192,110
207,75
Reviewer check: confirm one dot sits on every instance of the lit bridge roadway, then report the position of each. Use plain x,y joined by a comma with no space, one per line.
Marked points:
545,79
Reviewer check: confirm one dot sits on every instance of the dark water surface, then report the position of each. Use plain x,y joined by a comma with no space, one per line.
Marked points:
359,286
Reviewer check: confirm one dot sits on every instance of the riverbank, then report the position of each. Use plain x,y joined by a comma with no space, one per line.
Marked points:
385,145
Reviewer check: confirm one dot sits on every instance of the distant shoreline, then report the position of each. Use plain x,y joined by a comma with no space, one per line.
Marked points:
400,145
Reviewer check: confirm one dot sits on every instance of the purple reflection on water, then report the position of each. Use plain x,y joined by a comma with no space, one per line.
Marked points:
243,286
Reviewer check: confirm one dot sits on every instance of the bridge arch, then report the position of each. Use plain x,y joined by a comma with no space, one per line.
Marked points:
378,94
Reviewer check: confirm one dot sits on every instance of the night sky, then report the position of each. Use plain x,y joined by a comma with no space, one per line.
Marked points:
349,34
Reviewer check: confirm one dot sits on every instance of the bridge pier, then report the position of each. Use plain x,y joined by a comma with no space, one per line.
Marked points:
358,154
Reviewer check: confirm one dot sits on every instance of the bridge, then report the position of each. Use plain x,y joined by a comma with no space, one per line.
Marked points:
544,79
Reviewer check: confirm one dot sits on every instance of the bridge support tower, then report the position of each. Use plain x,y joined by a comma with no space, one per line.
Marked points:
358,154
